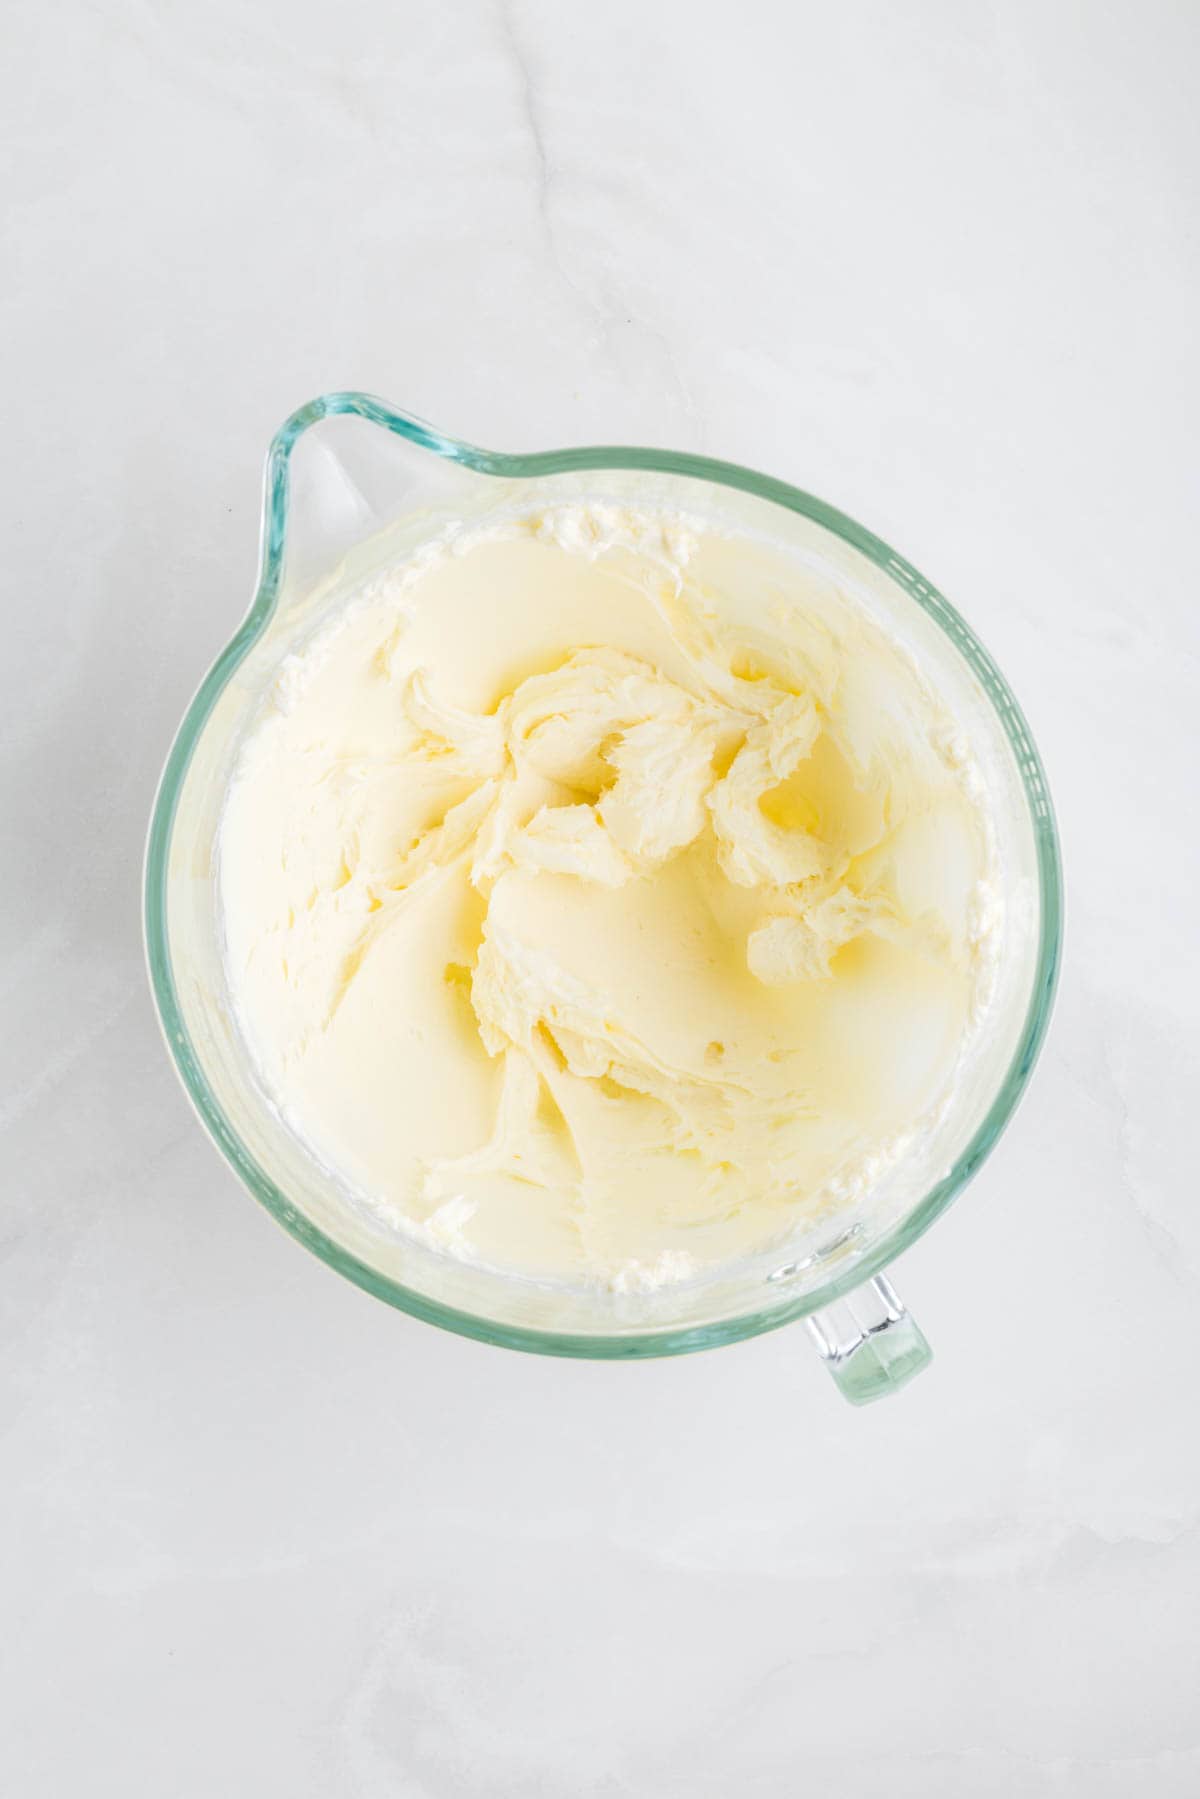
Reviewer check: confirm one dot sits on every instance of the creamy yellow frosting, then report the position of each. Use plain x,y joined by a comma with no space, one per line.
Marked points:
604,893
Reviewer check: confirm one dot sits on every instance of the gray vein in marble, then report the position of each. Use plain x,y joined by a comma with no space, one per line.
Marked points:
532,117
611,312
76,1044
1166,1246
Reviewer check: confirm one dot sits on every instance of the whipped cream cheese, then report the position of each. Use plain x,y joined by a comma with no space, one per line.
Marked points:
603,893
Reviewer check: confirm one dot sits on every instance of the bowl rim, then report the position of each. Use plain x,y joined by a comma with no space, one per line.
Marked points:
667,1339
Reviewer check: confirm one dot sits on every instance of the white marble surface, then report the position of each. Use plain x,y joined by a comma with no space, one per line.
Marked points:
261,1535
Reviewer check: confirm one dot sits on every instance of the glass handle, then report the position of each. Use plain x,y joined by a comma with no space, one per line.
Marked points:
868,1342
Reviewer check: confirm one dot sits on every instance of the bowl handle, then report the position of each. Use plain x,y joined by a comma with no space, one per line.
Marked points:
868,1342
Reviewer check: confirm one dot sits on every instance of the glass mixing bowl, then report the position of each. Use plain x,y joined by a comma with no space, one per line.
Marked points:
351,485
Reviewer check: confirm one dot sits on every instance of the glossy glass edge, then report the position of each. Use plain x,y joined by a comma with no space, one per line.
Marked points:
668,1341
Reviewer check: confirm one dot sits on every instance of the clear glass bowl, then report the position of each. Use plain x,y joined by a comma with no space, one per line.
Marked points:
350,485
